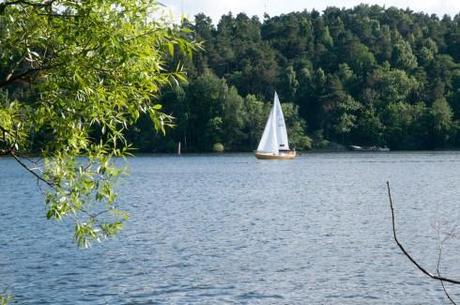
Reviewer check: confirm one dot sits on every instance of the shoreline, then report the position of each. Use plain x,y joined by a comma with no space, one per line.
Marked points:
229,153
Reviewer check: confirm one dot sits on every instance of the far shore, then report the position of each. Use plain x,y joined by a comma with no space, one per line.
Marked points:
229,153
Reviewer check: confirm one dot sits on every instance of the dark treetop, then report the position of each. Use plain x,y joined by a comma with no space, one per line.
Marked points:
365,76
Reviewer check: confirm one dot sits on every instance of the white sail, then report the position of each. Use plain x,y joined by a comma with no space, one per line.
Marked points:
274,137
274,142
281,132
269,143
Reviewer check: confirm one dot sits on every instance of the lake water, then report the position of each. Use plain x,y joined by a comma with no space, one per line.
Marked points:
229,229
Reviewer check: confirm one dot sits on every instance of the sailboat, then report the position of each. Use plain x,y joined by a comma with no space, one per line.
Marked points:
274,142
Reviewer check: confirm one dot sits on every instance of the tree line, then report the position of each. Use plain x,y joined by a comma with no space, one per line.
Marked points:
367,76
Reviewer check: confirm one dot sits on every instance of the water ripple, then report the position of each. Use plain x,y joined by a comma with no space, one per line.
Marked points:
228,229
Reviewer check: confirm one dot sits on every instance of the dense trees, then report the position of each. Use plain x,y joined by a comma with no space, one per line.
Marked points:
208,111
367,75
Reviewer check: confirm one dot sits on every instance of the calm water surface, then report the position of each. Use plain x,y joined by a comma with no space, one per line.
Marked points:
230,229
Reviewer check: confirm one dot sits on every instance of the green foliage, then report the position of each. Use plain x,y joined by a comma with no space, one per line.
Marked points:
369,128
232,118
443,125
403,57
256,113
205,95
393,85
74,76
218,147
442,114
5,298
347,70
295,127
289,83
404,123
359,57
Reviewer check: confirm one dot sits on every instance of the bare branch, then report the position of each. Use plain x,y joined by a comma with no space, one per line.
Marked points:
406,253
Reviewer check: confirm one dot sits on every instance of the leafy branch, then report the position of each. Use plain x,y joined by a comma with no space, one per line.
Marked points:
5,298
89,79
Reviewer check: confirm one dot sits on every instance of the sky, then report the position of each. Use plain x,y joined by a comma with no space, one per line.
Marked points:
216,8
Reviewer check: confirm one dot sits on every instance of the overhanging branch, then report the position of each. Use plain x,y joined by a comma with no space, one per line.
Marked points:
406,253
40,178
12,78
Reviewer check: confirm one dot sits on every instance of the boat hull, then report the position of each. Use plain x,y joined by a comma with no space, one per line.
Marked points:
289,155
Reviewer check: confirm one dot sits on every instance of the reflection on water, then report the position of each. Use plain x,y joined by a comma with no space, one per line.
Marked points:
229,229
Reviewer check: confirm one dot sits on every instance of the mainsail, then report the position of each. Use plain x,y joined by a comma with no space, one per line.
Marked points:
274,137
281,132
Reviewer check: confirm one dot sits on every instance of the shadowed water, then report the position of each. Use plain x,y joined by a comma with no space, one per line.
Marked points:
230,229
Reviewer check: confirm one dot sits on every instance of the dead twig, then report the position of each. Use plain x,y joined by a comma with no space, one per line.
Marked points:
437,276
438,264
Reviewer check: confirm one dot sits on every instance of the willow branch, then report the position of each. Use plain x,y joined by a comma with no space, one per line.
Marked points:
50,184
3,129
12,78
28,3
406,253
4,140
56,15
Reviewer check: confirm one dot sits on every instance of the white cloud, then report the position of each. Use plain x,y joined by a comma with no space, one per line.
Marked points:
216,8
